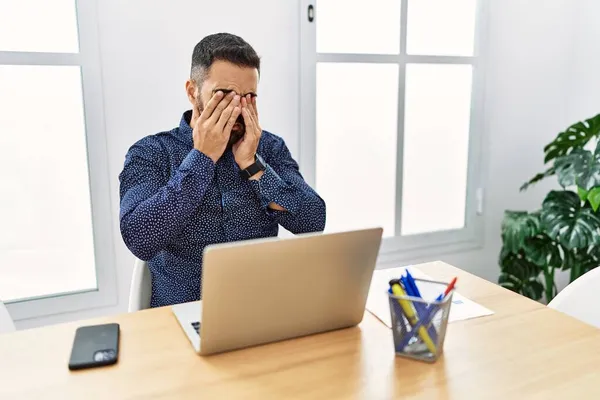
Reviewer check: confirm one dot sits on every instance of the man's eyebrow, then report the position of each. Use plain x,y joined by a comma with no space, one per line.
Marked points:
227,91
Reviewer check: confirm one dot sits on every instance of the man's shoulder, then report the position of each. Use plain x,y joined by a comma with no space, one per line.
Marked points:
274,150
271,142
157,143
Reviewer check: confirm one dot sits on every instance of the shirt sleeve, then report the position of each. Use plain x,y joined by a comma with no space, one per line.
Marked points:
282,184
156,208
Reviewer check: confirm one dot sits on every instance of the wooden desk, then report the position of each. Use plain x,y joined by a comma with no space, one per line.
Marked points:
523,351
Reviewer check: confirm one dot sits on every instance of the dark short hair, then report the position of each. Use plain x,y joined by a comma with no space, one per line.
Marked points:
222,47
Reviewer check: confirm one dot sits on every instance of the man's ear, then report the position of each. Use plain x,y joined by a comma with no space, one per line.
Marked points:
191,90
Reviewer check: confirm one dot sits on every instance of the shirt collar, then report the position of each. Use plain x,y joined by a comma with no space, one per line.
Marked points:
185,130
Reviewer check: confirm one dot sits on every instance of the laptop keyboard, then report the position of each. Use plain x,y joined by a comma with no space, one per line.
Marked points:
196,326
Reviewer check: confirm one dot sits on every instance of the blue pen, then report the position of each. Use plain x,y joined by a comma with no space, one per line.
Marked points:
411,280
414,289
429,313
425,312
426,320
407,286
420,307
411,289
397,311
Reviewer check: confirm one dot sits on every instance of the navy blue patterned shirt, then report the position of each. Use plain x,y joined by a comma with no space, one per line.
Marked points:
175,201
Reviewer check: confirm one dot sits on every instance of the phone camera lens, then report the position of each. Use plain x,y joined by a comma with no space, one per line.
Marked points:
104,355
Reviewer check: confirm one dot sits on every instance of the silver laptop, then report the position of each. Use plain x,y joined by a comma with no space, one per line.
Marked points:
268,290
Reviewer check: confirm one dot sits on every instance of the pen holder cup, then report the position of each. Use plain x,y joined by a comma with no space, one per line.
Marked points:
419,325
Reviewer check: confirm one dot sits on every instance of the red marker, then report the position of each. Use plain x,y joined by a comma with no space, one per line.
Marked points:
450,287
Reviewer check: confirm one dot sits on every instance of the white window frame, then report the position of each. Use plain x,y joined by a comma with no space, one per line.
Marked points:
88,59
418,246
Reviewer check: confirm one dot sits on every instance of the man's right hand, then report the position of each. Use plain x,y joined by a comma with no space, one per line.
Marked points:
213,126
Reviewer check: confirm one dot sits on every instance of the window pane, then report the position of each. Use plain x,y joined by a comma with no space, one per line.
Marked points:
436,145
441,27
358,27
38,25
46,244
357,108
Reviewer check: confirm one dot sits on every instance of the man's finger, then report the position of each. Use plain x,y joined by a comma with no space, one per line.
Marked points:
226,114
250,126
254,111
195,115
232,118
247,118
223,104
228,99
250,105
254,104
255,130
211,105
247,106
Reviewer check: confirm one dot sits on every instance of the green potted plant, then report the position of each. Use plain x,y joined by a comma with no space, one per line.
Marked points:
564,235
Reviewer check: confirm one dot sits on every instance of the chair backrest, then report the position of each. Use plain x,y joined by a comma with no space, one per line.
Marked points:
6,322
140,290
580,298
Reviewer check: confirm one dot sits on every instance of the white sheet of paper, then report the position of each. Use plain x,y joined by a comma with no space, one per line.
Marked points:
378,304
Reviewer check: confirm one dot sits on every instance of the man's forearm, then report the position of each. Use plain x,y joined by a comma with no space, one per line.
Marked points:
297,207
149,225
271,205
309,217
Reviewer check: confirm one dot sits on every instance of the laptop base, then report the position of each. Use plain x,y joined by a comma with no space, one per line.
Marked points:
189,315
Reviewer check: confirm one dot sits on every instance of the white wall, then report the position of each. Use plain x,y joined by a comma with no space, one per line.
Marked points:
543,58
543,67
146,54
529,80
585,90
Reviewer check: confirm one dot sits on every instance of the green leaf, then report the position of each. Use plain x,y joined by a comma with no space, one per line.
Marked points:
520,275
569,259
582,193
518,226
543,251
567,222
580,167
549,172
549,284
594,198
580,261
576,136
591,260
567,167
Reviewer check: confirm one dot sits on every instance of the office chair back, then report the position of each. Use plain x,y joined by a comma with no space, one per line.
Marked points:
580,298
6,322
140,290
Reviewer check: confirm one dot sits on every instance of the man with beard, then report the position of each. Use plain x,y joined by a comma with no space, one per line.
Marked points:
216,178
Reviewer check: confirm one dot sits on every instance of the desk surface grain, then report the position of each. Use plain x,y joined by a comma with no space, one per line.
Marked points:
523,351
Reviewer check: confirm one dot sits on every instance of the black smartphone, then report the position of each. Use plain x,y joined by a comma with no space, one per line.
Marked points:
95,346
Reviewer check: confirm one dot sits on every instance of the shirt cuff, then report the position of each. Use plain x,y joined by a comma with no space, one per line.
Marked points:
270,188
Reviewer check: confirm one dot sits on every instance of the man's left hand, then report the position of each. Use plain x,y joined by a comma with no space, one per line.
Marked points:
245,150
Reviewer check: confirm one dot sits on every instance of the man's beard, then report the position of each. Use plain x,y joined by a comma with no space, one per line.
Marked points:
237,132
